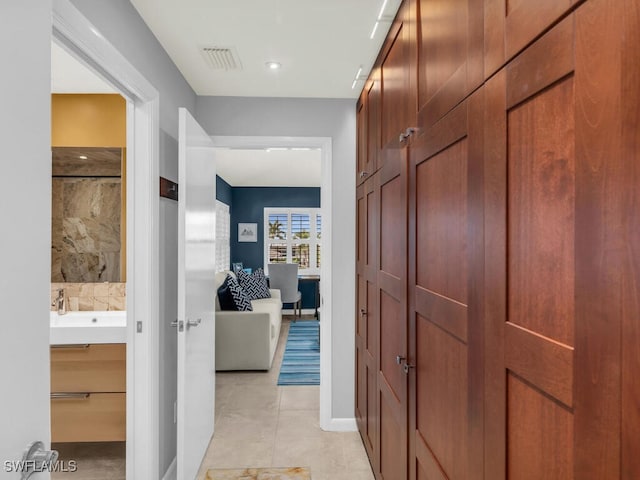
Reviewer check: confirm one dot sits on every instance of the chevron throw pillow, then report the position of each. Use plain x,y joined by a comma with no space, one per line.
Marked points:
254,284
240,297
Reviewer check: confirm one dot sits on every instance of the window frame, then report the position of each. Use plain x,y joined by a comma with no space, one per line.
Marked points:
223,249
313,241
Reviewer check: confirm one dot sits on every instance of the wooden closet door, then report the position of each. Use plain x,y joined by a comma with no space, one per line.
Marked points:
557,195
397,114
367,317
368,127
362,114
511,25
374,98
397,105
392,308
445,275
450,55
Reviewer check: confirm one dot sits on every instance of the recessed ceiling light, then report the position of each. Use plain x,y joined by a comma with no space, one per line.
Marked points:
83,157
273,65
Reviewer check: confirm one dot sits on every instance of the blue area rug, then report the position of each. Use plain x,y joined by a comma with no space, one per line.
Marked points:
301,362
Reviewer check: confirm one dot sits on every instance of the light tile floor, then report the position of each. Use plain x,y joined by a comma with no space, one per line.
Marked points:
259,424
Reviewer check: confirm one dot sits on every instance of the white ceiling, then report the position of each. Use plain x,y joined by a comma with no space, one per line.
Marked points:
320,43
269,168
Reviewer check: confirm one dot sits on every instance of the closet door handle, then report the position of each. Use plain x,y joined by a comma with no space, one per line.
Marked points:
407,133
363,312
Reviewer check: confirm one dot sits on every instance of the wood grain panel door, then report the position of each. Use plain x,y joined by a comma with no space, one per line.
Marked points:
397,104
450,55
556,262
511,25
397,115
630,313
367,317
368,127
374,98
361,138
392,307
445,275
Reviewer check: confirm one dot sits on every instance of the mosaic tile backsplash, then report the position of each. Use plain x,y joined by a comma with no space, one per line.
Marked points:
91,296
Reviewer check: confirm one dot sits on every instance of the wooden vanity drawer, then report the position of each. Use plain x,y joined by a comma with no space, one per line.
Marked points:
95,417
88,368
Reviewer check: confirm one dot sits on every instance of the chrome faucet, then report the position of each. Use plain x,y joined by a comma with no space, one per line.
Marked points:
60,302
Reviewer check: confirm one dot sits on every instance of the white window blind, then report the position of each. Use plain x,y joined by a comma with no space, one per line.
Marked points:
223,236
293,235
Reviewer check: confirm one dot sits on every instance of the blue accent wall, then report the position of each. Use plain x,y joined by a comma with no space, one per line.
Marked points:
223,191
248,205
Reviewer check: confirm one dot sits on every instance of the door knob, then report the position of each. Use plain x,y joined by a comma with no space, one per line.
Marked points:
193,323
363,312
400,359
406,367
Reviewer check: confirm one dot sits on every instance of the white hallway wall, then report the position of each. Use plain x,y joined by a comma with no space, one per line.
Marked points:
120,23
305,117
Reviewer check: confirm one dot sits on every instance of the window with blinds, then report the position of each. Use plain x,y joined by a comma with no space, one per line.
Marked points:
293,235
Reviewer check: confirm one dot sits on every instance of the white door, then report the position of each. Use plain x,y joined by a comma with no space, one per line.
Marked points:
196,308
25,219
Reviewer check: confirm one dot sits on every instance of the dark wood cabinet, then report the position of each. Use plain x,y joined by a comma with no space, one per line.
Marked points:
367,315
450,59
499,243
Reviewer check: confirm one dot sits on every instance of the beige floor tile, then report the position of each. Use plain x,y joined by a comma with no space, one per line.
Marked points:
300,398
259,424
346,475
249,425
299,424
354,452
253,397
322,454
238,453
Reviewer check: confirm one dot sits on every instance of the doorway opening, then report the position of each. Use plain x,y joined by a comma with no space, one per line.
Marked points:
323,144
72,32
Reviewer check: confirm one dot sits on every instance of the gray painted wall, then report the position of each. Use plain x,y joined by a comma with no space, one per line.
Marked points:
335,118
120,23
25,206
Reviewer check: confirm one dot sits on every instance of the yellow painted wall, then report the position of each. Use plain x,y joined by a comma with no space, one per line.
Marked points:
93,120
88,120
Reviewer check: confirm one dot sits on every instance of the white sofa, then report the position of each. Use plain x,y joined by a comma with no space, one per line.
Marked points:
247,340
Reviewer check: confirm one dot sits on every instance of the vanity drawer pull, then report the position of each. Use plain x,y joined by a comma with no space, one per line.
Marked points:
74,346
70,396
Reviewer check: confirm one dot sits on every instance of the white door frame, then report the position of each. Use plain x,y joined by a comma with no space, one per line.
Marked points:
79,37
324,144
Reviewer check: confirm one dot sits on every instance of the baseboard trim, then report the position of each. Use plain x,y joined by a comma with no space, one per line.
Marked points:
342,425
172,471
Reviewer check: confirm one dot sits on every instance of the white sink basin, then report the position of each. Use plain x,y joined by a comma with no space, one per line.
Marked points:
88,327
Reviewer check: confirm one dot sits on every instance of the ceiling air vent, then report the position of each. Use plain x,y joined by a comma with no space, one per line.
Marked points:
221,58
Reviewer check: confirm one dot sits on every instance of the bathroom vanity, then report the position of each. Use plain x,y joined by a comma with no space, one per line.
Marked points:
88,377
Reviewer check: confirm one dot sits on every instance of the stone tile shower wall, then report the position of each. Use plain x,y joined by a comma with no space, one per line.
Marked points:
86,230
91,296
